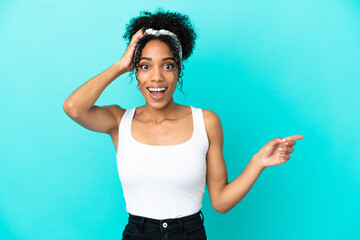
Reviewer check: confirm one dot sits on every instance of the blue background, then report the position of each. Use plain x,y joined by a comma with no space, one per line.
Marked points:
267,68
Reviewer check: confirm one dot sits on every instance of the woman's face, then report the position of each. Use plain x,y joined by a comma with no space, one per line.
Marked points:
157,74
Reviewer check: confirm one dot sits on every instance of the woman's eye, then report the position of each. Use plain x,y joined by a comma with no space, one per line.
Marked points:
144,66
169,66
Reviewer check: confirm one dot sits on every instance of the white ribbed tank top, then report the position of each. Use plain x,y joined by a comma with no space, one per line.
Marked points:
162,182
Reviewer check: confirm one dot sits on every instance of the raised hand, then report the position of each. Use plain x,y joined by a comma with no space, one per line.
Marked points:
126,59
277,151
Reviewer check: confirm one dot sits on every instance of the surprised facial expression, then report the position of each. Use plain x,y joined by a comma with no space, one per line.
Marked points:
157,75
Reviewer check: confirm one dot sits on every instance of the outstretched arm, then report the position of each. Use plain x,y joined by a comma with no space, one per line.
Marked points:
224,196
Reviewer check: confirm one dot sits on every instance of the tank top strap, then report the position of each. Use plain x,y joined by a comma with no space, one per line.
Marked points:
199,126
125,123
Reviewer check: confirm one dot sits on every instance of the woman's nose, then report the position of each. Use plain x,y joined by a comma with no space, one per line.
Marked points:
156,74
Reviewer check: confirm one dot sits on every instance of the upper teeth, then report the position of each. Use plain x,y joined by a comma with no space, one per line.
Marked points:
157,89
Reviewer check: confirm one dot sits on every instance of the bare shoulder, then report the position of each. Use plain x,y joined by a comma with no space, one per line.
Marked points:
212,123
210,115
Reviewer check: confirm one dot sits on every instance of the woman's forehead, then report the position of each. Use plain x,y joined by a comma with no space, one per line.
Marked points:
156,49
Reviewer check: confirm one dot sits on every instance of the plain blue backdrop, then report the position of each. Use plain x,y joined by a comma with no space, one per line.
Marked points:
267,68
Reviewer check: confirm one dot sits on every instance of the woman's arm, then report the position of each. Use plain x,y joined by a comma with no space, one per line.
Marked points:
80,107
224,196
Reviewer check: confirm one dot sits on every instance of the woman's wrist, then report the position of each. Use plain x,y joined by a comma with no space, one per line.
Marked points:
119,67
258,162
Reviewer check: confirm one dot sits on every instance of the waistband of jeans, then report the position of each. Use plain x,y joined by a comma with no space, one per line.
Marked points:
185,219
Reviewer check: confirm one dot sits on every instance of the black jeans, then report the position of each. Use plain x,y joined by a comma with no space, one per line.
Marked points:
189,227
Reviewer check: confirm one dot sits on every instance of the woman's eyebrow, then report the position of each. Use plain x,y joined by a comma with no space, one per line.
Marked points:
164,59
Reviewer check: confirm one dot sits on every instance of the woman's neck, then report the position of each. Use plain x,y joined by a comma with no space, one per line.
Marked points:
157,115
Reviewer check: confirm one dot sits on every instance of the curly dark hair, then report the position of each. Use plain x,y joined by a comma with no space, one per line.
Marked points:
174,22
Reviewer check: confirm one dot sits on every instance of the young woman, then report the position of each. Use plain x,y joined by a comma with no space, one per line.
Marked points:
166,151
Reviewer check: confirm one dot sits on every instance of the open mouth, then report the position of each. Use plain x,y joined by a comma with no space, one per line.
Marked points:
157,93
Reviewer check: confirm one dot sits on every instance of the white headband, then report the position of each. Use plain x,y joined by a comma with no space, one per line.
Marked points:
151,31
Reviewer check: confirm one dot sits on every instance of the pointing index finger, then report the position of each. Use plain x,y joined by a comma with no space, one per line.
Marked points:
294,137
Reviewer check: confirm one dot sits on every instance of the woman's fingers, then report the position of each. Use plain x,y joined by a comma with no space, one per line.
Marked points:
290,143
139,34
293,138
284,157
286,150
